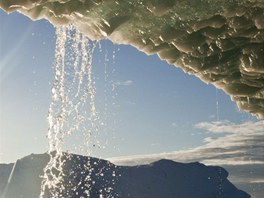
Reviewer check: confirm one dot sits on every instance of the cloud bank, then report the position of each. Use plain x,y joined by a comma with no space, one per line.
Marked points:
242,144
239,150
219,41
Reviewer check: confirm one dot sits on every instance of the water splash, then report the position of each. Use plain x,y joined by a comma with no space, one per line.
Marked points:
57,114
72,109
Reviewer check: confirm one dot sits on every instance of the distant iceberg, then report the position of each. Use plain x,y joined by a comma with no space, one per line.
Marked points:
161,179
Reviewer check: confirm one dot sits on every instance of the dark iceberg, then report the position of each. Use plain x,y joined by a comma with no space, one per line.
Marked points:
164,178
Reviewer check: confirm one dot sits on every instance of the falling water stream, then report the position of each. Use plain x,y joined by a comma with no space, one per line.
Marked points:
72,112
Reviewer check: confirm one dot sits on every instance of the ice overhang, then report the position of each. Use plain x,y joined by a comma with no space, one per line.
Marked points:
219,41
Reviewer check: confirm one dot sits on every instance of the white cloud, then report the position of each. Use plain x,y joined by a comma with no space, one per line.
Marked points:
124,83
155,144
228,127
174,124
242,145
257,181
240,151
130,102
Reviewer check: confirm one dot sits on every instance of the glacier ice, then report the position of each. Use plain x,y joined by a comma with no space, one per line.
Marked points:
219,41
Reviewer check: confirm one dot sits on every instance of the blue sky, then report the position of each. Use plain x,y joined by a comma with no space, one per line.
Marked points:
156,106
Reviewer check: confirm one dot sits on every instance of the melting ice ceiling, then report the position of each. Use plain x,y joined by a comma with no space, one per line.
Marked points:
219,41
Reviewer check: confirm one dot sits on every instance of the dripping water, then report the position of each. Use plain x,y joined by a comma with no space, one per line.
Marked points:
110,94
72,115
53,171
217,104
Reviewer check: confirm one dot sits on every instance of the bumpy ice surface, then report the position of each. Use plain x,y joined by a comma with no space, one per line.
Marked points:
219,41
